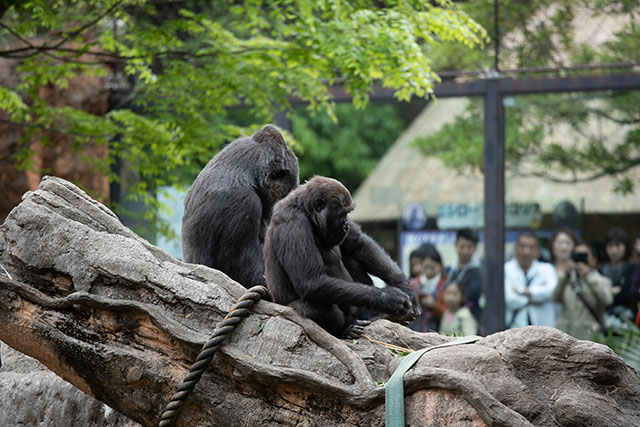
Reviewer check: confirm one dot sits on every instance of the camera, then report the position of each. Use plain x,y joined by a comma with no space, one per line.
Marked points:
579,257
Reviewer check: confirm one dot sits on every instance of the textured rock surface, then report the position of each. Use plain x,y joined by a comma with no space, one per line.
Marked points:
32,395
122,321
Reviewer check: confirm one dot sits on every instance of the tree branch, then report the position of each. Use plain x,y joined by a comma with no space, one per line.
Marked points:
5,5
87,25
601,113
622,168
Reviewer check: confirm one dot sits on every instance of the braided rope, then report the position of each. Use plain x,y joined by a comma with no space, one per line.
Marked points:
224,328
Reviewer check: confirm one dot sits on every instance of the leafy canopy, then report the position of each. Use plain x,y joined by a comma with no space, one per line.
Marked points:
546,39
184,64
349,148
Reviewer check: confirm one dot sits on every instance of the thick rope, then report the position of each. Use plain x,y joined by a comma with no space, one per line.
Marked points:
224,328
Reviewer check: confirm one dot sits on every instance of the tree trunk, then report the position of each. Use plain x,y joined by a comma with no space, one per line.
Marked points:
123,321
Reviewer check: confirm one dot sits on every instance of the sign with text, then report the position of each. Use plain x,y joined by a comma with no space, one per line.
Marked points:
460,215
471,215
523,215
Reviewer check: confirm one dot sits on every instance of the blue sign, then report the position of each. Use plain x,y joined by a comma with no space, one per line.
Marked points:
414,217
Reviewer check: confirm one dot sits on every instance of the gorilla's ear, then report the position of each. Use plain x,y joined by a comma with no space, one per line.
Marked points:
319,204
269,134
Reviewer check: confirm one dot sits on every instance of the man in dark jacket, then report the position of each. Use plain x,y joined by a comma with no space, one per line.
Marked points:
466,271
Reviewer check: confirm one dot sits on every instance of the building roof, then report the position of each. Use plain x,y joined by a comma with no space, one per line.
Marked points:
405,176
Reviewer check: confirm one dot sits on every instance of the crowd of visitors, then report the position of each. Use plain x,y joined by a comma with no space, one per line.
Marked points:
457,311
584,289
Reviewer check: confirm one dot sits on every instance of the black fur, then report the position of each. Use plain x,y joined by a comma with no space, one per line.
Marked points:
227,209
317,261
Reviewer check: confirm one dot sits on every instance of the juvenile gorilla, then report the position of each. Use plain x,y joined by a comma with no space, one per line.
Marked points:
228,207
317,261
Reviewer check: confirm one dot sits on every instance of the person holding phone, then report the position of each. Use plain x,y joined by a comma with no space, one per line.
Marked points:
561,245
584,294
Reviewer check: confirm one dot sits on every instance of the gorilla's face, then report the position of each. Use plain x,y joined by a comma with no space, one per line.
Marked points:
331,221
337,225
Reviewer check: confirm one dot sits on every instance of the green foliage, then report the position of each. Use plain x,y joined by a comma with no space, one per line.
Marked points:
544,38
626,343
460,143
184,64
589,152
348,148
583,152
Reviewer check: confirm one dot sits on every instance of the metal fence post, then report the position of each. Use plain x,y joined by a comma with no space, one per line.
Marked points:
493,151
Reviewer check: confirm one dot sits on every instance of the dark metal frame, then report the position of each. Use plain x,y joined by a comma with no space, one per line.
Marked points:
494,89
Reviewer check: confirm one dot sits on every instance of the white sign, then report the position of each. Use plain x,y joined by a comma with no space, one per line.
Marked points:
471,215
522,215
460,215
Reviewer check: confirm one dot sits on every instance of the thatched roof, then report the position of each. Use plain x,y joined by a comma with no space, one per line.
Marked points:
405,176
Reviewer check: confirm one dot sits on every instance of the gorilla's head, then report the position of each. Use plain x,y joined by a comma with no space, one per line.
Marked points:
262,162
328,202
278,171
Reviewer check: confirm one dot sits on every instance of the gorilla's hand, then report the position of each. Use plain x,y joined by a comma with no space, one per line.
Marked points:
395,302
354,330
416,308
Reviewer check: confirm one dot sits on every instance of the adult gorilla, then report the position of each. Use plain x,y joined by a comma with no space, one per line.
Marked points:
318,262
228,207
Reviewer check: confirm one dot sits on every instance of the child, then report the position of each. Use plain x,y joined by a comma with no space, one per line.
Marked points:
457,318
429,286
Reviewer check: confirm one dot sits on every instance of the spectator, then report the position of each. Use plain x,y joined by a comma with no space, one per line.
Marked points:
429,286
528,285
593,258
466,271
457,318
561,245
584,294
619,270
415,262
596,247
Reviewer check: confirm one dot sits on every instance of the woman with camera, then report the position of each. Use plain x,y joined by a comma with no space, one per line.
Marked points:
582,291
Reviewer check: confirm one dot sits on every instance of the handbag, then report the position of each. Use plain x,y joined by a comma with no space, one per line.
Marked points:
590,309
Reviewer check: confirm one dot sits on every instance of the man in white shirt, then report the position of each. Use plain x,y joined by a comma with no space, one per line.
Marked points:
528,285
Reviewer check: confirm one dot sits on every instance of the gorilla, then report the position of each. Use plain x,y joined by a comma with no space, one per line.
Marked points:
227,209
318,262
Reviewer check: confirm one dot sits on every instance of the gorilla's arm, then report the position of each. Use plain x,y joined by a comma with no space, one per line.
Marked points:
218,234
304,263
363,256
